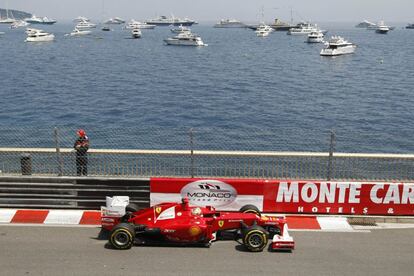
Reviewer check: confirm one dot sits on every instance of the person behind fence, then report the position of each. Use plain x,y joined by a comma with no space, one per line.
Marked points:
81,146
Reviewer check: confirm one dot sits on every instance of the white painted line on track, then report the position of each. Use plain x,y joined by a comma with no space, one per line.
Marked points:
6,215
64,217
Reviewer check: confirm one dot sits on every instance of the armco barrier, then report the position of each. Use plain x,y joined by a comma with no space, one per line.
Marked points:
31,192
303,197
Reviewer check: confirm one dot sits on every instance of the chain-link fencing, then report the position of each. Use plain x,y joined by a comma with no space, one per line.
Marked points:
207,152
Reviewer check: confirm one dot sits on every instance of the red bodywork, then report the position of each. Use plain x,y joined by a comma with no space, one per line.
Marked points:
181,223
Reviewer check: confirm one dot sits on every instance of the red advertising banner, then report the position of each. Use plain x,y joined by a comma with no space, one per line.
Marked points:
279,196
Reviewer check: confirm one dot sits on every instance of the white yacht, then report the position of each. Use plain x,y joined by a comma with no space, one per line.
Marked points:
338,46
133,24
40,20
382,28
165,21
263,30
303,28
2,33
115,21
185,39
180,29
229,23
315,37
136,33
82,25
80,19
80,32
365,24
18,24
36,35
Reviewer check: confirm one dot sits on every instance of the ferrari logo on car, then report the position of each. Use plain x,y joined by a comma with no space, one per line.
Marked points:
221,223
158,210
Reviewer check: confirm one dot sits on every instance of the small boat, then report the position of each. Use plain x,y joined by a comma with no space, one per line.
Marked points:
382,28
185,39
133,24
77,32
40,20
263,30
106,29
180,29
229,23
36,35
338,46
136,33
2,33
315,37
410,26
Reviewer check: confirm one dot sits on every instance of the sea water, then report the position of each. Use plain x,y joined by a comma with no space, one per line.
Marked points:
277,87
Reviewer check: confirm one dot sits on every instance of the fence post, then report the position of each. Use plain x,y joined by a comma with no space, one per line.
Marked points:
192,152
331,152
58,154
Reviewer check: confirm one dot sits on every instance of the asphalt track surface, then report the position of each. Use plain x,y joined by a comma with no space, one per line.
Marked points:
41,250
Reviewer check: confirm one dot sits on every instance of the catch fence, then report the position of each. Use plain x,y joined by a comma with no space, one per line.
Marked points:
197,153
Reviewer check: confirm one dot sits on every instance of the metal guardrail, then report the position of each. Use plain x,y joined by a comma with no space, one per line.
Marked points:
204,163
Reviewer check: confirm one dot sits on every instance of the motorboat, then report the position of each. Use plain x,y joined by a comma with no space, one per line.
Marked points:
315,37
80,32
106,29
185,39
2,33
175,21
229,23
279,25
382,28
338,46
263,30
115,21
410,26
180,29
366,24
85,25
36,35
40,20
133,24
136,33
18,24
303,28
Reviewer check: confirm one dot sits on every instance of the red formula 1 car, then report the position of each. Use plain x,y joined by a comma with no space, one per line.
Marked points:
182,224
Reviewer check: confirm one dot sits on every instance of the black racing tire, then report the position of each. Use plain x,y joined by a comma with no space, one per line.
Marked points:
255,238
250,208
132,207
122,236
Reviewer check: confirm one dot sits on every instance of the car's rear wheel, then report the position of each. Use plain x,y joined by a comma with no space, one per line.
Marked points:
122,236
255,238
250,208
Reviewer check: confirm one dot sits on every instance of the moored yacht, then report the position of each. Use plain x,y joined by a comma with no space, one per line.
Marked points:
279,25
85,25
115,21
36,35
365,24
410,26
80,19
165,21
180,29
303,28
185,39
229,23
18,24
315,37
133,24
40,20
338,46
263,30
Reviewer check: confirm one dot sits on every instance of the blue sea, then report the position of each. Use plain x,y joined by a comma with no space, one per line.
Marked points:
239,92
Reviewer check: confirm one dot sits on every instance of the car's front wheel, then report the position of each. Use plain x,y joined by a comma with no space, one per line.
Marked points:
255,238
122,236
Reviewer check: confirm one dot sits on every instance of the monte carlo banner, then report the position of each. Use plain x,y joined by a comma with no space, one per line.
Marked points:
281,196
